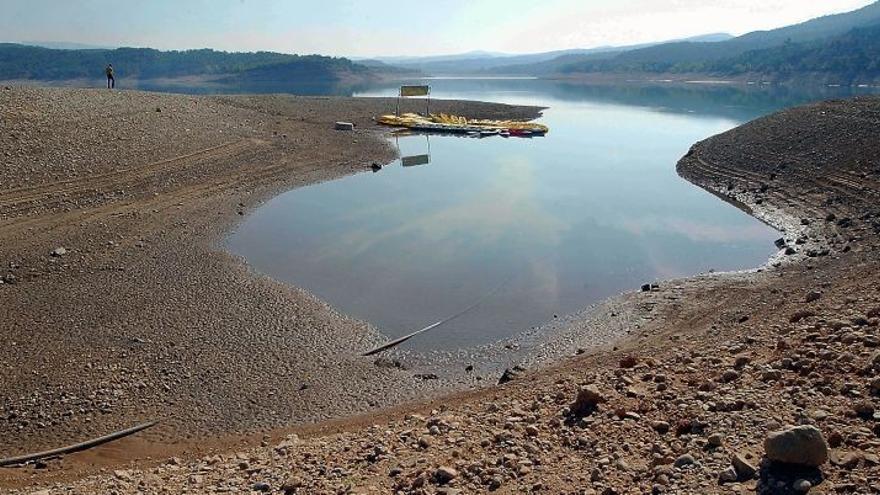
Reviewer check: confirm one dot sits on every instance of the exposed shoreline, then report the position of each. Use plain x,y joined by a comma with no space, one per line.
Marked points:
649,321
118,315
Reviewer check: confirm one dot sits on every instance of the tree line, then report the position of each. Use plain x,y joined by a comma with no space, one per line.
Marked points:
31,62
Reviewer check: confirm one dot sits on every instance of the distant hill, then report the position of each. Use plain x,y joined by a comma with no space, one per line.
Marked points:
65,45
302,68
474,62
850,59
386,68
744,54
411,60
31,62
485,62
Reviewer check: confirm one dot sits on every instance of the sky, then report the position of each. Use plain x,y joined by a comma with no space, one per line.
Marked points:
366,28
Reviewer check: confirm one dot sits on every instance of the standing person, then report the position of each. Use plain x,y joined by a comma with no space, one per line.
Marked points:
111,81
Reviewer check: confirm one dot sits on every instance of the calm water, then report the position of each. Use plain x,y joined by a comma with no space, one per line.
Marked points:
532,227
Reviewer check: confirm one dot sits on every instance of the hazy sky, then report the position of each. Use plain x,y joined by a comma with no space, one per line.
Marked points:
394,27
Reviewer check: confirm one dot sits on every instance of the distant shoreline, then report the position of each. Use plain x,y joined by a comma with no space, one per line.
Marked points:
662,79
215,84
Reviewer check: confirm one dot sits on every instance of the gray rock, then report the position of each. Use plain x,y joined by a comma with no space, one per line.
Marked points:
728,475
801,486
745,470
58,252
684,460
803,445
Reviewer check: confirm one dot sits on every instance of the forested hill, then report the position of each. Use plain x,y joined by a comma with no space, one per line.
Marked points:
840,48
31,62
849,59
852,58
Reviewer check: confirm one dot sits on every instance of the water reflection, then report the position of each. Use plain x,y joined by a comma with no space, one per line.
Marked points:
414,160
547,226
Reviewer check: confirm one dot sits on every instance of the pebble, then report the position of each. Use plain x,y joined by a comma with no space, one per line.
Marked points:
445,474
813,296
510,374
684,460
801,486
661,427
864,409
729,376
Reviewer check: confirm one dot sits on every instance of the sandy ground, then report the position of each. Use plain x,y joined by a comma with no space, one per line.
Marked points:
711,365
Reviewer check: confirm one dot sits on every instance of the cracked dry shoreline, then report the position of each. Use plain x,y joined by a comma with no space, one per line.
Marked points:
671,329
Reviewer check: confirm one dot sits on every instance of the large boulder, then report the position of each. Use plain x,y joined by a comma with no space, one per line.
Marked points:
803,445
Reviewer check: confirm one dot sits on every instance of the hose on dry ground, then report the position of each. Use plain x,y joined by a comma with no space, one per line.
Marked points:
88,444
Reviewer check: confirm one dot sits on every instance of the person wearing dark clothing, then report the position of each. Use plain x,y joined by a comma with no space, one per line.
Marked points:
111,81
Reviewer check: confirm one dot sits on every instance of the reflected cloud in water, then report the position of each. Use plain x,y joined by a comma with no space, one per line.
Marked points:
547,226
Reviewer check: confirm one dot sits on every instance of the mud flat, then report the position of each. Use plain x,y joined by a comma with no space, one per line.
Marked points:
709,366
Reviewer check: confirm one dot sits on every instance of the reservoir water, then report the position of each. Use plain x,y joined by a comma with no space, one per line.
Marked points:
531,228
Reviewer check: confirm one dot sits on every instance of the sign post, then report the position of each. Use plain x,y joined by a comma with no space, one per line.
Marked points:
408,91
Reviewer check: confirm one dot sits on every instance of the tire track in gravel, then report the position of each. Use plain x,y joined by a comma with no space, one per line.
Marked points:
17,200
